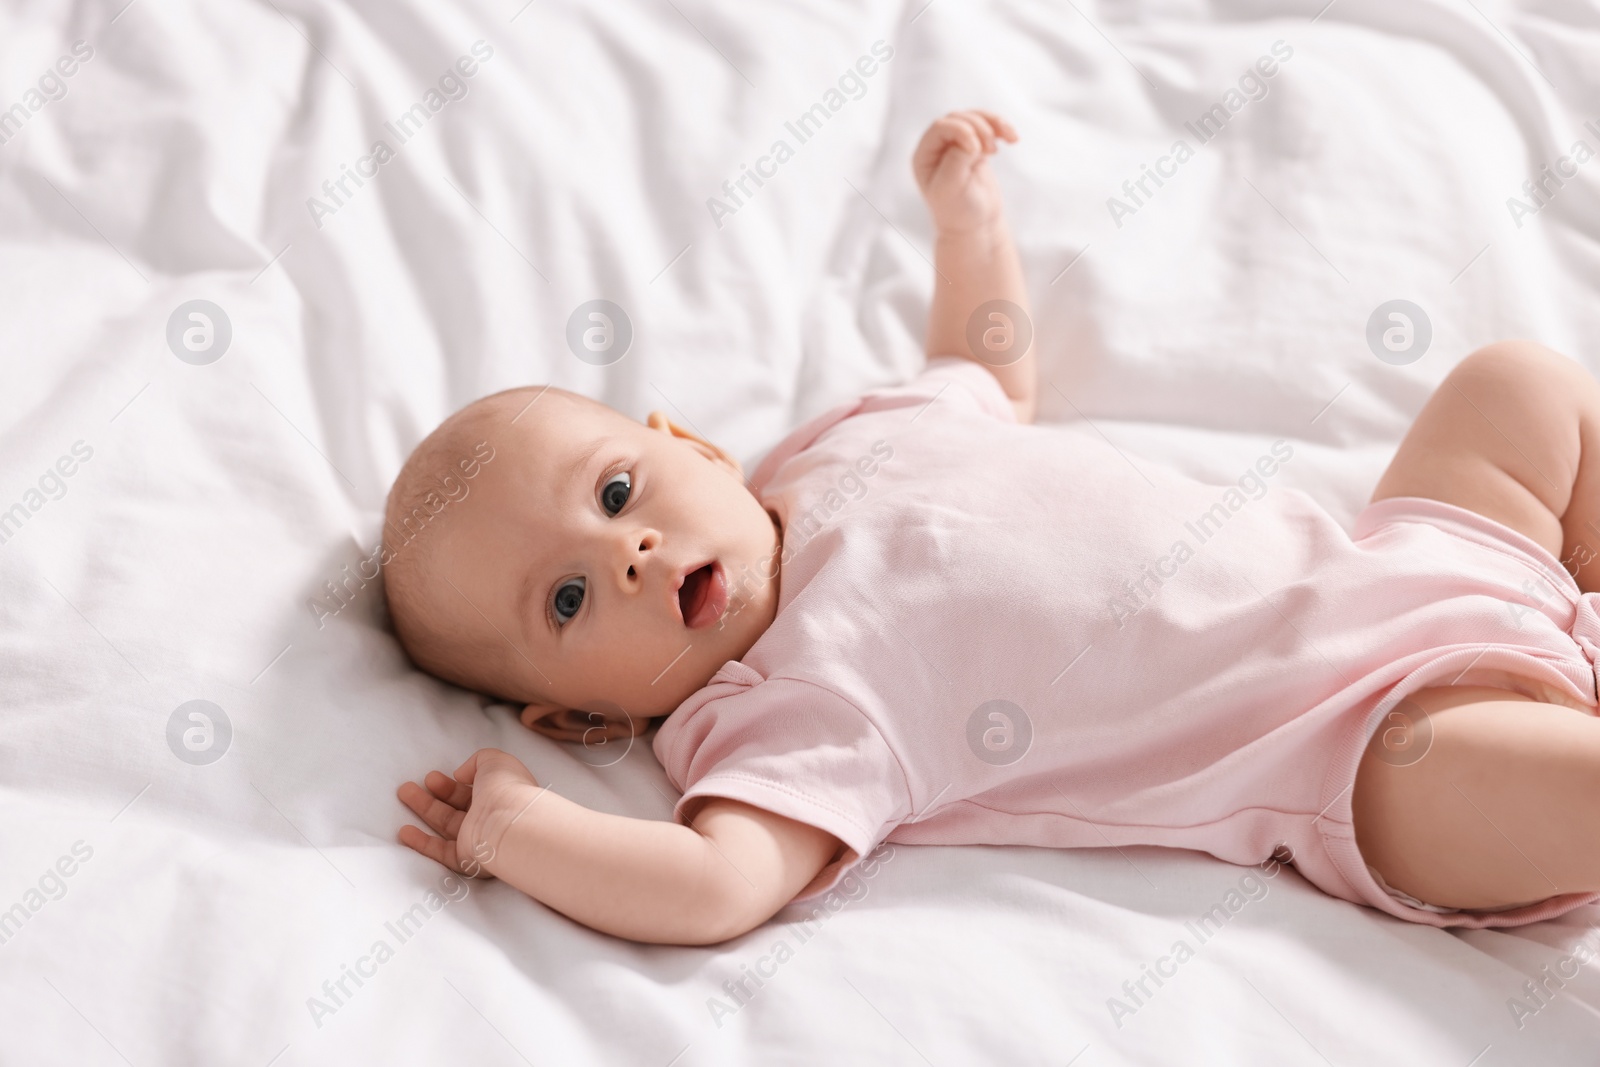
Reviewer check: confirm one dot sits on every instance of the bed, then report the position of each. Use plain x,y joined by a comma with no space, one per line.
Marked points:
252,252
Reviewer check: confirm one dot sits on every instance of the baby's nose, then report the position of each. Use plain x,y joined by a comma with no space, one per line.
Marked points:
638,550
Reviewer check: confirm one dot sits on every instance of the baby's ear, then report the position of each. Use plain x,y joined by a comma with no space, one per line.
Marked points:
659,421
585,727
551,720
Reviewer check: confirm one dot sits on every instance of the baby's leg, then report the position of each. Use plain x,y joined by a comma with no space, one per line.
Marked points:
1513,433
1503,807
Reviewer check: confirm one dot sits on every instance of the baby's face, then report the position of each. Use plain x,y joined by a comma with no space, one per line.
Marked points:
610,562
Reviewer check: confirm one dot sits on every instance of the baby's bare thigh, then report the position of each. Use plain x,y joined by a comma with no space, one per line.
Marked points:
1472,797
1503,436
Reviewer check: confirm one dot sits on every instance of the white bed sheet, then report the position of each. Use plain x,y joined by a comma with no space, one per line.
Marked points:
209,904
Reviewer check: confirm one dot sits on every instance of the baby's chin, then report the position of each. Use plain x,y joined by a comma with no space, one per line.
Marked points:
666,704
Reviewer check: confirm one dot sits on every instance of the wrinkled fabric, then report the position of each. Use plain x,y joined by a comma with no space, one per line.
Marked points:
991,633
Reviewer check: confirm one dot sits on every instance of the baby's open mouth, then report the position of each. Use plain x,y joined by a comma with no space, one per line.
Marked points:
703,596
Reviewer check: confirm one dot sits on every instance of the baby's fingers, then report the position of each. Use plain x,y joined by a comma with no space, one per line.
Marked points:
980,125
949,130
447,789
436,813
440,851
963,132
435,848
999,125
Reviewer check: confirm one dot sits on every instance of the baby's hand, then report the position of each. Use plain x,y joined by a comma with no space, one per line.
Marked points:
952,169
470,812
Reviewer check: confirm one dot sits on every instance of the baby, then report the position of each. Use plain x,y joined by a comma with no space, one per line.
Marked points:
923,620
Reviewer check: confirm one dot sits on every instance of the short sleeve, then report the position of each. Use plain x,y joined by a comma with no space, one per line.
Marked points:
790,747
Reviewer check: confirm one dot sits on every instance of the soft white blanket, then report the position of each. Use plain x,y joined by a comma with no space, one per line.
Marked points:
387,238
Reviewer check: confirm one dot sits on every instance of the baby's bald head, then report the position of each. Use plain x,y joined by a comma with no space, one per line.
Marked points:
545,549
438,476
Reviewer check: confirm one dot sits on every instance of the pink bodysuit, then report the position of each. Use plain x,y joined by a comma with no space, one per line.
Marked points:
990,633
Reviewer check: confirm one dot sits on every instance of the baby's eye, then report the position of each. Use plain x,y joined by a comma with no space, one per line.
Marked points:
614,494
567,601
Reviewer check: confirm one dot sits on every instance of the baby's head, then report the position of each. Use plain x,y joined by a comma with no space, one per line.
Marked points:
547,550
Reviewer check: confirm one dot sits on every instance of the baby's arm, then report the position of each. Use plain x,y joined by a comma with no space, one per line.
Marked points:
641,879
974,259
